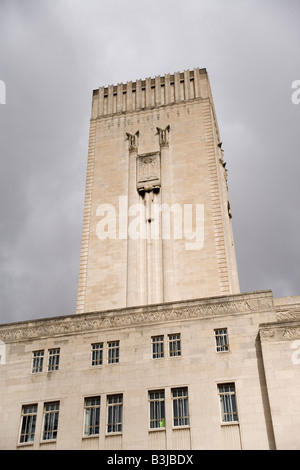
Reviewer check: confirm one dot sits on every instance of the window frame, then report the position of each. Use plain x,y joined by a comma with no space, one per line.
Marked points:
98,352
172,342
53,415
155,404
28,424
95,409
114,410
158,341
111,357
228,400
39,360
53,359
182,404
221,339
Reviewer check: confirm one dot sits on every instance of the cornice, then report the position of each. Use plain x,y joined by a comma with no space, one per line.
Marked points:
280,331
137,316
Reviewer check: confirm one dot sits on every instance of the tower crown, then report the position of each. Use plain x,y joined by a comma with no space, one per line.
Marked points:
149,93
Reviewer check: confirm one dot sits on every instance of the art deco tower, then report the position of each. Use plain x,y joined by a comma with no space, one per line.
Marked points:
157,219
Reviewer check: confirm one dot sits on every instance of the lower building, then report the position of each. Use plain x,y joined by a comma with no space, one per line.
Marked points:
213,373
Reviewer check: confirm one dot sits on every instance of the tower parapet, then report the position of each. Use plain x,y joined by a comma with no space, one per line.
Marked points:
149,93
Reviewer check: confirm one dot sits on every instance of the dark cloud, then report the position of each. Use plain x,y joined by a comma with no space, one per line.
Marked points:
55,53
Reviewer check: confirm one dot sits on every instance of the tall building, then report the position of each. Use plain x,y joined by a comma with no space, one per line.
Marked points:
164,352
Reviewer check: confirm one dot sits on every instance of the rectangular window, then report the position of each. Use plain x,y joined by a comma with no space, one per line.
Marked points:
114,413
53,359
29,413
222,343
91,416
113,352
157,347
228,403
157,409
174,345
180,407
37,361
51,411
97,354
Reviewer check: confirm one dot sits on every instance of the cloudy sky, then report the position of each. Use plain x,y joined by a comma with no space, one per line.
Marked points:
55,52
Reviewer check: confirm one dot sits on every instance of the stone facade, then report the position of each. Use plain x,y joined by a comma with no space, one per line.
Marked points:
262,361
169,121
164,352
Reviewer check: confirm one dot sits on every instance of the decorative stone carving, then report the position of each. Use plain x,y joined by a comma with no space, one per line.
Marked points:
148,172
132,141
128,318
163,136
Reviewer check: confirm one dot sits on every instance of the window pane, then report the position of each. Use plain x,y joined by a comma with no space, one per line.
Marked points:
51,411
174,345
113,352
228,403
37,361
97,354
29,413
221,336
180,407
157,347
157,409
92,416
53,359
114,413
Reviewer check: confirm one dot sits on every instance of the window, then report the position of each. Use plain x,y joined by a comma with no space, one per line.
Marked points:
28,423
113,352
228,402
114,413
51,411
53,359
174,345
221,336
157,347
91,416
180,407
97,354
157,409
37,361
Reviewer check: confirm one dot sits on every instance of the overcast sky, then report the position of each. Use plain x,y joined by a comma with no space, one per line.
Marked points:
53,53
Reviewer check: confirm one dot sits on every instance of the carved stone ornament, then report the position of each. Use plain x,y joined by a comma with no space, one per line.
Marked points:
133,317
281,332
163,136
132,141
148,171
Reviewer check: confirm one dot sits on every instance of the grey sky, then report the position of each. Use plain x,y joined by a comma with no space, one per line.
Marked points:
55,52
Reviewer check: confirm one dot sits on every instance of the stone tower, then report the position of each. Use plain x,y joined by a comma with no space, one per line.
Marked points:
157,220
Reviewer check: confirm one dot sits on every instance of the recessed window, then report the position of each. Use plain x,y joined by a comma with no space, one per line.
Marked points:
97,354
157,347
53,359
51,412
113,349
222,343
157,409
228,404
114,413
180,407
174,345
37,361
28,423
91,416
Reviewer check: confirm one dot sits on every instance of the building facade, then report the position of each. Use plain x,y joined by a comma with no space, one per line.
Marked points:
164,352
